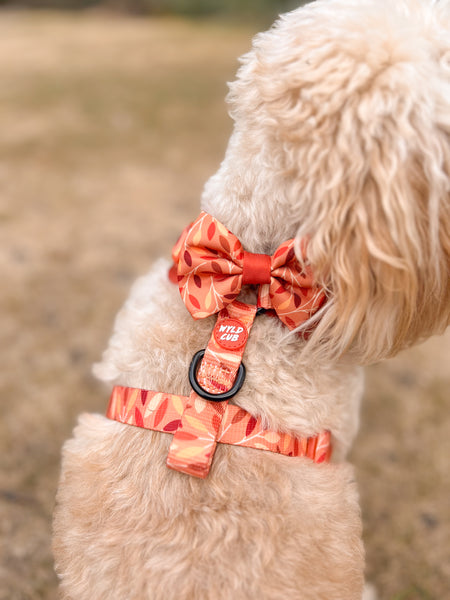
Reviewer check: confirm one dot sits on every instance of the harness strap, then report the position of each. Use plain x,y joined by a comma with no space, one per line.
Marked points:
195,440
163,412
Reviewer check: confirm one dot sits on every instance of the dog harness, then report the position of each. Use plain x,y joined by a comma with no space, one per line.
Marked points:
210,267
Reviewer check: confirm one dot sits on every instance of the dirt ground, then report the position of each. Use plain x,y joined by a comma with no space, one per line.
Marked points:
109,128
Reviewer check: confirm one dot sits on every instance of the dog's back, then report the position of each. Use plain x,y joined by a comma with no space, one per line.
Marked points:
260,526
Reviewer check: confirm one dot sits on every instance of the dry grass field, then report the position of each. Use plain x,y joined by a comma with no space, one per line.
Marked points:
108,128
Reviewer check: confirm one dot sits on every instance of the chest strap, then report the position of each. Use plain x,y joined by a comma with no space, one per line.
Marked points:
167,412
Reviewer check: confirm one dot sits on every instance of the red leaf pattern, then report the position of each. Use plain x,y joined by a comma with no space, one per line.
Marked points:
194,301
250,426
241,414
144,394
290,323
224,243
138,417
172,426
161,412
211,231
290,255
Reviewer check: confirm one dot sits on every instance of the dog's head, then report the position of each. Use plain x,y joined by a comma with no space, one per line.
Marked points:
342,137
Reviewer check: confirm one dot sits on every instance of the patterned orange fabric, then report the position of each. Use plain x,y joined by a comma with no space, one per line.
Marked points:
211,267
195,440
164,412
223,354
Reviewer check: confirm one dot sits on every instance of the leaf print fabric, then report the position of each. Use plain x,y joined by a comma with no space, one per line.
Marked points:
202,419
159,411
210,264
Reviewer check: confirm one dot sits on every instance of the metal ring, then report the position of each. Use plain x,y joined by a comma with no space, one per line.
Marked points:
240,377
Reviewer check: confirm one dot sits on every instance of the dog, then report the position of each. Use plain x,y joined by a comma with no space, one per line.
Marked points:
341,143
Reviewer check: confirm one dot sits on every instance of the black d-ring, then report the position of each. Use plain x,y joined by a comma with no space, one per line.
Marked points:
240,377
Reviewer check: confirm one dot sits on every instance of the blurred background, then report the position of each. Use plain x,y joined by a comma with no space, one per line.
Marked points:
112,116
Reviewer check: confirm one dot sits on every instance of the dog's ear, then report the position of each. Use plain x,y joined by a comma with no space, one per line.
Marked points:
355,110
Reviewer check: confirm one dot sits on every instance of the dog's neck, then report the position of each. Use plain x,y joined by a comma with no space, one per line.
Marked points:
250,197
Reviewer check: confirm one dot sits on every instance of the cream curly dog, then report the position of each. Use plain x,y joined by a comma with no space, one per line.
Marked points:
341,138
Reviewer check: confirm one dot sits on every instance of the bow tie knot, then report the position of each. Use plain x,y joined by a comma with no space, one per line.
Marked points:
212,266
257,269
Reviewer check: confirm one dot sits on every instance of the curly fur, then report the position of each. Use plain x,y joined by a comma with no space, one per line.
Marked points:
342,126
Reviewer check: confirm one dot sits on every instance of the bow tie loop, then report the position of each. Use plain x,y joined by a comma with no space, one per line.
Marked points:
212,266
256,269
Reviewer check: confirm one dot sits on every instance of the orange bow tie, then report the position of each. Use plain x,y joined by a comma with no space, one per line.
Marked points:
212,266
